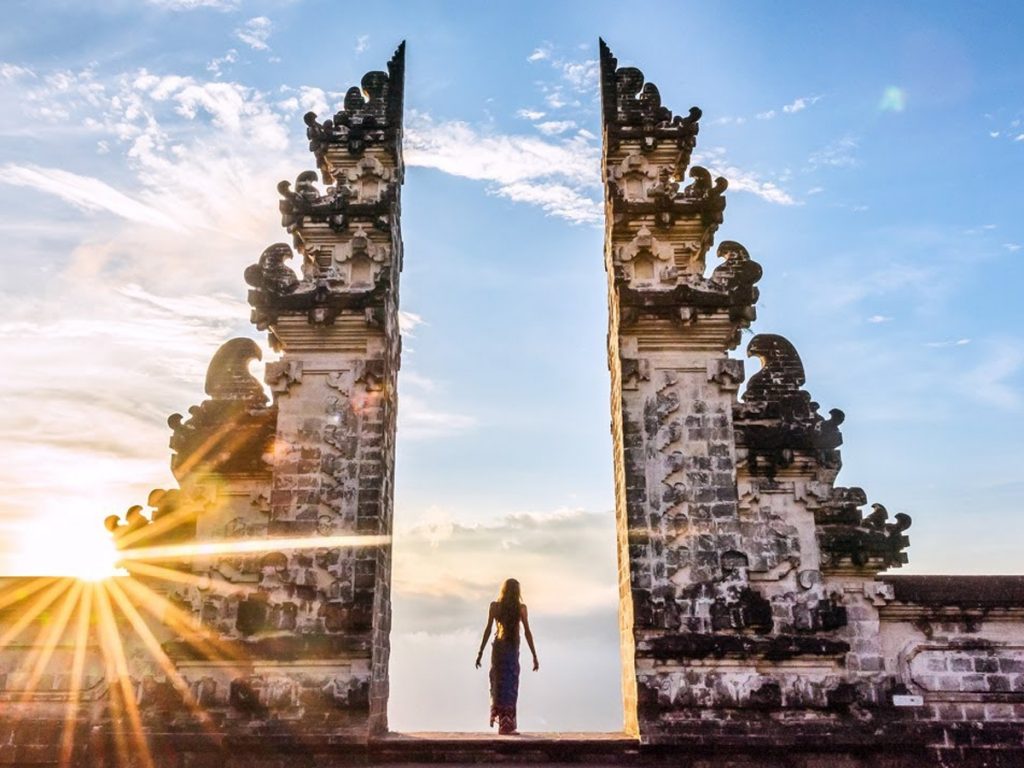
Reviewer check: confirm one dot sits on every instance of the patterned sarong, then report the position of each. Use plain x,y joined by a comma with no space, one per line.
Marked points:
504,684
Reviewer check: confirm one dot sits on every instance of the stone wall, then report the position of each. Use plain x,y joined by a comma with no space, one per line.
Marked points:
751,606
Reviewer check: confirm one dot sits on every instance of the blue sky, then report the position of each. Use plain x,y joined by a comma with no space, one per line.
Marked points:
874,153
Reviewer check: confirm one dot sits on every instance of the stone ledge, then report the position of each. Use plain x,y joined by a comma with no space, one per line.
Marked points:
959,591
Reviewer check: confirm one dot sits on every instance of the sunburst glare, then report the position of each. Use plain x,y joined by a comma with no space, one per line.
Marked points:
75,546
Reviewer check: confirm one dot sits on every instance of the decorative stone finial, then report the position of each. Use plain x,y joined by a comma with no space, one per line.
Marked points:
633,110
371,115
228,377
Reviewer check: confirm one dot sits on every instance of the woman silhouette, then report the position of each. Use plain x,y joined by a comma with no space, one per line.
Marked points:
508,611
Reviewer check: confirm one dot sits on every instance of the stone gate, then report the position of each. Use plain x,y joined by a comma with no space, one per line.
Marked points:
757,625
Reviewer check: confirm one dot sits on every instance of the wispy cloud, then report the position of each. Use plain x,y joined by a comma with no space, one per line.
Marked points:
1012,247
10,72
216,65
879,319
191,5
740,180
555,127
86,193
840,153
362,43
530,114
996,380
950,343
556,200
255,33
539,54
559,175
409,322
797,105
800,104
580,75
419,420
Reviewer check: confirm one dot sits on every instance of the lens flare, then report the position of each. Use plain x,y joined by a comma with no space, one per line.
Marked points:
894,99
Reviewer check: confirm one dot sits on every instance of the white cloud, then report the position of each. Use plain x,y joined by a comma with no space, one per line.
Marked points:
836,154
86,193
409,321
1012,247
766,115
362,43
191,5
457,148
11,72
800,104
1019,137
418,420
994,134
216,66
530,114
439,552
879,319
556,200
555,127
255,33
744,181
409,378
952,343
727,120
555,99
581,75
815,191
561,176
539,54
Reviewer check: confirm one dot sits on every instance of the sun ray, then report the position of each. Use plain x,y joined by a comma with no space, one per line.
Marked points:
250,546
40,604
156,527
22,590
110,675
190,579
153,646
113,648
46,644
185,624
67,739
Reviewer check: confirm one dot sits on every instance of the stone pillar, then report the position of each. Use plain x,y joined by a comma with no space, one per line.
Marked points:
335,385
673,386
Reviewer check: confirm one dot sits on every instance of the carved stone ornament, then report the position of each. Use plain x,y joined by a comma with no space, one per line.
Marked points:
232,431
271,274
283,374
368,181
636,179
777,421
852,541
370,116
133,531
633,111
648,260
228,376
727,373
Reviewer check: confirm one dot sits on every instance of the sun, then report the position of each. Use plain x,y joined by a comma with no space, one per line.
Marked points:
78,548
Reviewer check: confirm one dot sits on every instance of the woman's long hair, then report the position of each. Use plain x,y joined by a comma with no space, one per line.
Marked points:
509,601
